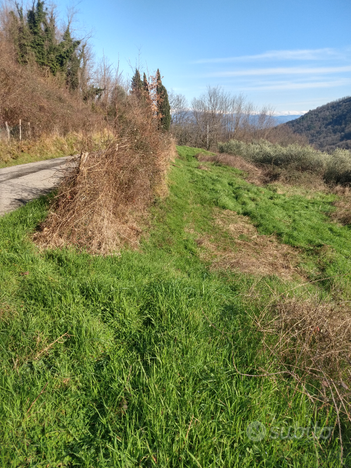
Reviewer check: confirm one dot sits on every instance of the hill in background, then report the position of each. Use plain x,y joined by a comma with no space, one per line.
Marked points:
328,127
281,119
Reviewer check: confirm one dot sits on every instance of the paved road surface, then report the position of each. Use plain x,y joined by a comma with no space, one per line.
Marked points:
20,184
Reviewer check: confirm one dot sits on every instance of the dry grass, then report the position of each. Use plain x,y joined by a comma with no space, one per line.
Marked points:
343,205
48,146
293,178
255,175
252,253
311,340
103,202
6,310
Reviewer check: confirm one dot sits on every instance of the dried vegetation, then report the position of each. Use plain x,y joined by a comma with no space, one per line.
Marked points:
289,181
103,201
247,251
310,339
42,104
342,214
261,174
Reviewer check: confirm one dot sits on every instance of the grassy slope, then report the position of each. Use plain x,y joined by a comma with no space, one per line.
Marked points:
49,147
41,150
26,158
141,378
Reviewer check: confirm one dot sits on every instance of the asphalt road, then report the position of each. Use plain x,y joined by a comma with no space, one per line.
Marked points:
22,183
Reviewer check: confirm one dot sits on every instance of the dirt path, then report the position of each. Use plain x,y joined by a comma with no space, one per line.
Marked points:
20,184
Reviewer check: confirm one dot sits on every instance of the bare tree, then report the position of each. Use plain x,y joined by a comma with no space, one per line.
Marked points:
182,125
218,116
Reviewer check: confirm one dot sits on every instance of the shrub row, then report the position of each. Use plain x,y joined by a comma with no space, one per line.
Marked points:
334,168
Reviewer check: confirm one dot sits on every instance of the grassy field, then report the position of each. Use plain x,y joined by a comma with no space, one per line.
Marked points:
137,359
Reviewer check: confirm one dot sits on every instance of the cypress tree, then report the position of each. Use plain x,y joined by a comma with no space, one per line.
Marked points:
163,107
137,84
146,85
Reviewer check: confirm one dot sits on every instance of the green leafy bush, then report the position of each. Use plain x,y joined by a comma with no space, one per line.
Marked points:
339,167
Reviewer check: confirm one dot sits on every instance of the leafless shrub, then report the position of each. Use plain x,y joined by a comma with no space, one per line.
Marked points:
103,202
182,125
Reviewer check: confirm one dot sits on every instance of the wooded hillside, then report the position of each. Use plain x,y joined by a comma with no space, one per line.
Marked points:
328,127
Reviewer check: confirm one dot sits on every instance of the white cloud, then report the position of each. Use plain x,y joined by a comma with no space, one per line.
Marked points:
290,112
295,86
282,71
302,54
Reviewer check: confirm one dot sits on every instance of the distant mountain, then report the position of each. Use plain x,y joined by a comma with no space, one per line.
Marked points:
328,127
281,119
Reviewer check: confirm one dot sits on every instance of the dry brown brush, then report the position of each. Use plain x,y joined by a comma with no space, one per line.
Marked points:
342,214
309,340
40,101
103,201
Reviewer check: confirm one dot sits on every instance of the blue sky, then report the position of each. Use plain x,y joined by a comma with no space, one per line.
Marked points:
292,55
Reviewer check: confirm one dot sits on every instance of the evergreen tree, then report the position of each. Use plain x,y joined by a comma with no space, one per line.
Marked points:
68,59
146,85
137,84
163,107
20,35
38,27
35,36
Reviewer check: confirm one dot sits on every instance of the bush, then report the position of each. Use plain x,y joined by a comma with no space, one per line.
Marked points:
334,168
339,168
103,200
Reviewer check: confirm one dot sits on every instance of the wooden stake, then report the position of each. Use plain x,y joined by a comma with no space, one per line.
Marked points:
8,131
20,129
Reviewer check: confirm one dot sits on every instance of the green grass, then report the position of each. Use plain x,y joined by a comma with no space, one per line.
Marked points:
42,149
26,158
141,377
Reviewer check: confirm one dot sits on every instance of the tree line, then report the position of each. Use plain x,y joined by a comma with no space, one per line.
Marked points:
153,91
36,38
45,71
